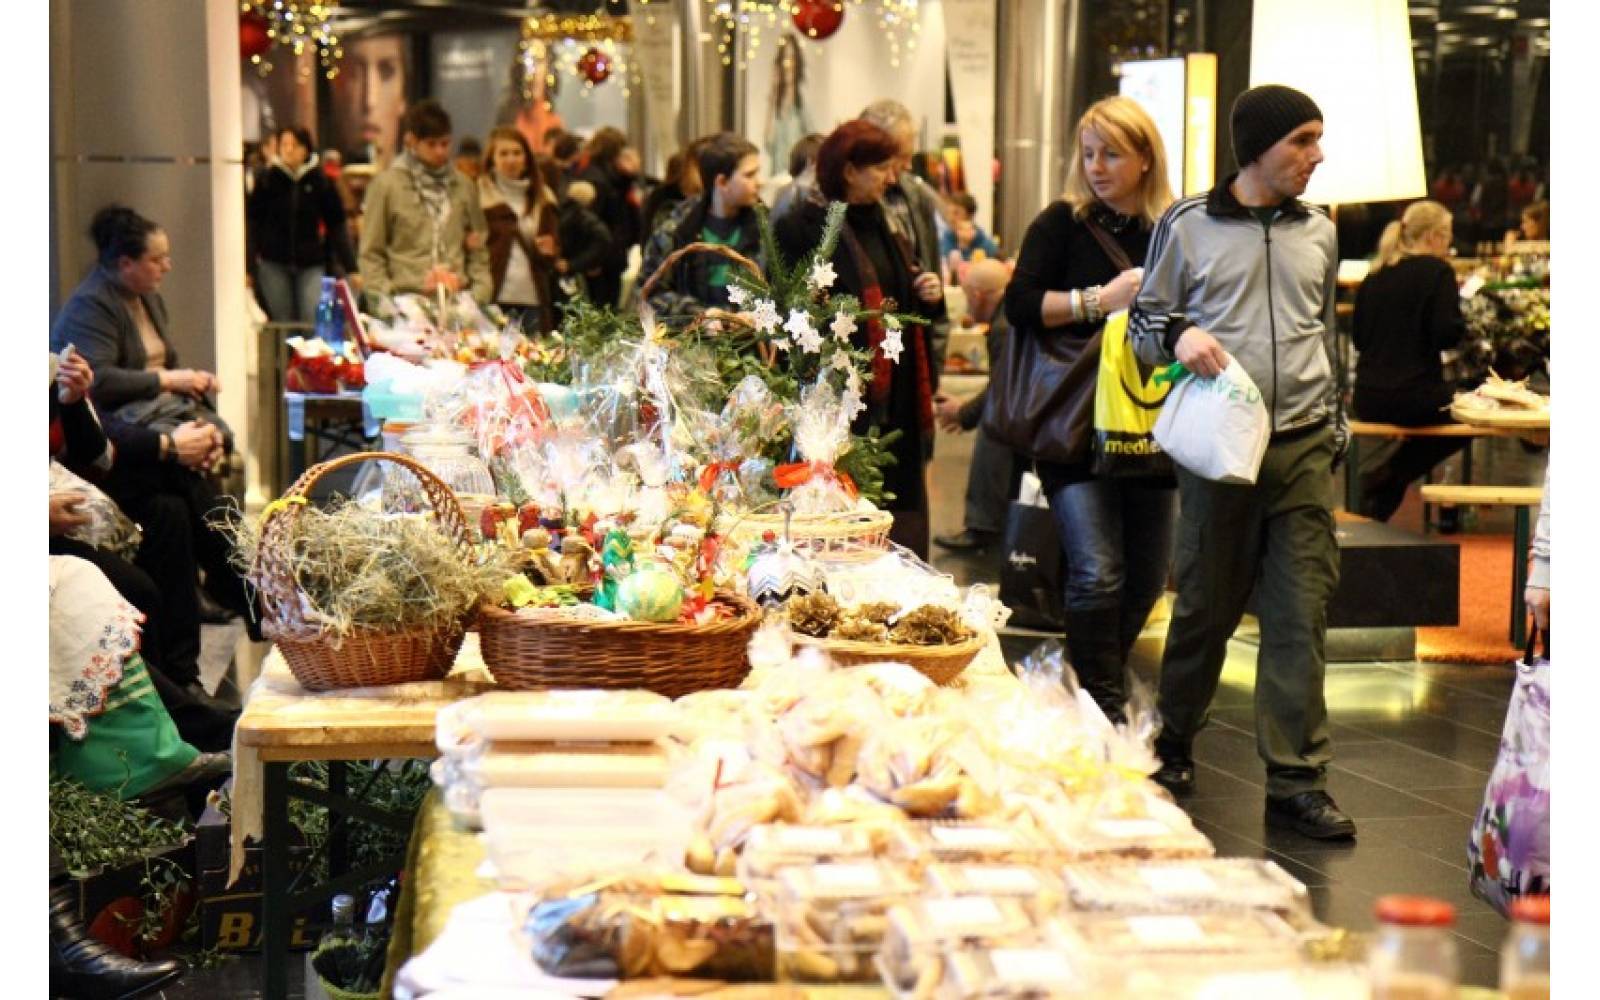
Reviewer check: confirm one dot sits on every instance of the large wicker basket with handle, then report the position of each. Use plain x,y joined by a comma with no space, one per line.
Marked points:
365,656
671,659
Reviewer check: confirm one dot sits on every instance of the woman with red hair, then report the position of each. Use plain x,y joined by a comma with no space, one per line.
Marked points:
874,261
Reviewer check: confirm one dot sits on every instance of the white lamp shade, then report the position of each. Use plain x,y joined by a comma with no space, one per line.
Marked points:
1353,57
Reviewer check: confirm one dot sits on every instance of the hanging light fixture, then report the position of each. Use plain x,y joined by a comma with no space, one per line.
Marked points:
292,24
590,48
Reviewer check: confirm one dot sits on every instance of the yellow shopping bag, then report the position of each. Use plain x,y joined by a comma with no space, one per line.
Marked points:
1127,401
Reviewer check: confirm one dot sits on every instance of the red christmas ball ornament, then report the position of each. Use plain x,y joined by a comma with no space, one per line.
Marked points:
253,40
595,66
818,18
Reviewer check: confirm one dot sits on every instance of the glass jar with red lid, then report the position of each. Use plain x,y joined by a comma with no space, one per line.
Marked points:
1525,959
1413,953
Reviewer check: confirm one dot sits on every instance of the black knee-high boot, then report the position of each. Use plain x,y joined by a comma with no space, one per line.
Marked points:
85,969
1094,644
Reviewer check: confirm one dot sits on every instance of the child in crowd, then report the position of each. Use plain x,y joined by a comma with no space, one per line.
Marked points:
965,240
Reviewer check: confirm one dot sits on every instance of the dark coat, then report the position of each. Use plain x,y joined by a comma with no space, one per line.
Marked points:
614,206
300,221
96,321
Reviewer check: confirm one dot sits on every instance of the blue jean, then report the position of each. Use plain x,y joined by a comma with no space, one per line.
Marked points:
1116,535
291,293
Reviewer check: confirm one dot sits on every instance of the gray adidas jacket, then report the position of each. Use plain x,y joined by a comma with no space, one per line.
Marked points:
1267,293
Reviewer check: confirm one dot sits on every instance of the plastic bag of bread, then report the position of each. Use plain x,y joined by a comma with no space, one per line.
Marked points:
577,715
831,919
633,928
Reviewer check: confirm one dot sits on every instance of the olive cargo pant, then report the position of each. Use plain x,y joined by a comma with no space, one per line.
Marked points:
1277,538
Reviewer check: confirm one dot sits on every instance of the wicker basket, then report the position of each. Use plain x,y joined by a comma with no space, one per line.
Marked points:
670,659
366,656
856,536
940,664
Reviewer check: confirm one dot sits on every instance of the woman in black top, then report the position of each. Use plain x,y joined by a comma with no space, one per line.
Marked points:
1116,532
1408,310
875,263
298,227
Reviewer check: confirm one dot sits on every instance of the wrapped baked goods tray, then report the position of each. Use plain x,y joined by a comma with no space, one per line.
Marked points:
831,920
972,843
920,930
1241,938
1034,887
1186,886
771,847
1036,972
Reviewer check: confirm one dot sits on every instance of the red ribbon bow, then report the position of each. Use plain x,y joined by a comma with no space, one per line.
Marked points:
708,475
792,475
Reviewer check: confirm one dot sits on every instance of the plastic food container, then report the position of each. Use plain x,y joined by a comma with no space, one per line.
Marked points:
968,843
921,929
1037,889
1187,886
832,918
532,716
1118,942
1010,973
771,847
1165,834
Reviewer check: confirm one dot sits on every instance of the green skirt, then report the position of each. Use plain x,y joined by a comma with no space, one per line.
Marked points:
130,747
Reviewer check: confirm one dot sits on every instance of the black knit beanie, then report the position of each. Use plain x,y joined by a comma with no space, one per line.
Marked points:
1263,115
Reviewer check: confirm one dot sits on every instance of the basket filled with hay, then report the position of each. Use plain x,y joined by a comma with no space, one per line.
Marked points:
356,596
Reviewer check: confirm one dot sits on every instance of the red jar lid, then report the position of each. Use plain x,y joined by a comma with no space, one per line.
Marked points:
1415,911
1531,909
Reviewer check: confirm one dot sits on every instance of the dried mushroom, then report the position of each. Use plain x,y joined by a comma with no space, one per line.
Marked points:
815,615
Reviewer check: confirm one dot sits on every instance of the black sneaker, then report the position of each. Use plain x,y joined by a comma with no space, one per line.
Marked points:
966,539
1311,814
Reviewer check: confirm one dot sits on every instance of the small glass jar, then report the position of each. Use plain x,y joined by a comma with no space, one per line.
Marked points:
447,452
1413,954
1525,959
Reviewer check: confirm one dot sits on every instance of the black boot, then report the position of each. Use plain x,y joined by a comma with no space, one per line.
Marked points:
1094,644
1176,774
84,969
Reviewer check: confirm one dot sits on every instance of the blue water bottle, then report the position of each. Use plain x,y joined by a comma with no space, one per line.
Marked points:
330,317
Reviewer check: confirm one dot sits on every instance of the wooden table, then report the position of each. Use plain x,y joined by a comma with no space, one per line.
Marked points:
282,724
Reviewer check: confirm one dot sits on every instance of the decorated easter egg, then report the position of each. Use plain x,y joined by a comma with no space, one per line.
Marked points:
650,595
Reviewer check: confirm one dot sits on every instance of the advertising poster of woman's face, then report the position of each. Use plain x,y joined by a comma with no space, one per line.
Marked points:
369,95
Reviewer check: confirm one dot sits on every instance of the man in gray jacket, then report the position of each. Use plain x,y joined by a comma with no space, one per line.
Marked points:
1248,272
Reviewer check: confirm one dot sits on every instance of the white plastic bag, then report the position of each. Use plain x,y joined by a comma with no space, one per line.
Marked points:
1216,428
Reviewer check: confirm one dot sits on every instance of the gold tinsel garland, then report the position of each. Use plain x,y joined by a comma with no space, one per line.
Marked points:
296,24
559,42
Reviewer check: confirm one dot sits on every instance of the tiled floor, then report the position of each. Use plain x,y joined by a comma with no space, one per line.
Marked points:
1413,746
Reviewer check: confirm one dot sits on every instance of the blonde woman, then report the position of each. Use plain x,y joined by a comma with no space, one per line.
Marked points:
1408,310
1117,533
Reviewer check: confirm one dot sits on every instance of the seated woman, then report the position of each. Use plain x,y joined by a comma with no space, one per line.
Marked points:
117,320
1408,310
116,735
160,578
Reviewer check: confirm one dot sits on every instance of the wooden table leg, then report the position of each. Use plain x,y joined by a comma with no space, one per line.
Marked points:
275,882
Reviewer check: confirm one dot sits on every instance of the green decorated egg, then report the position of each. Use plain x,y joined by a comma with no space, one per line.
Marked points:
650,595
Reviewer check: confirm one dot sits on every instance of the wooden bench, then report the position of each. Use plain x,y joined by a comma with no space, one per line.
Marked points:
1524,499
1397,432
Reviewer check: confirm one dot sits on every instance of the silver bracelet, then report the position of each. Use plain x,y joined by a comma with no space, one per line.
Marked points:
1091,304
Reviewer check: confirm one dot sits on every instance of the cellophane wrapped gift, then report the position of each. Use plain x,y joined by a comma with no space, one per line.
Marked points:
108,528
735,438
821,433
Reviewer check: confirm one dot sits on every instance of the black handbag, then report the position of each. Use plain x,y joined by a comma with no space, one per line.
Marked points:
1041,395
1041,386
